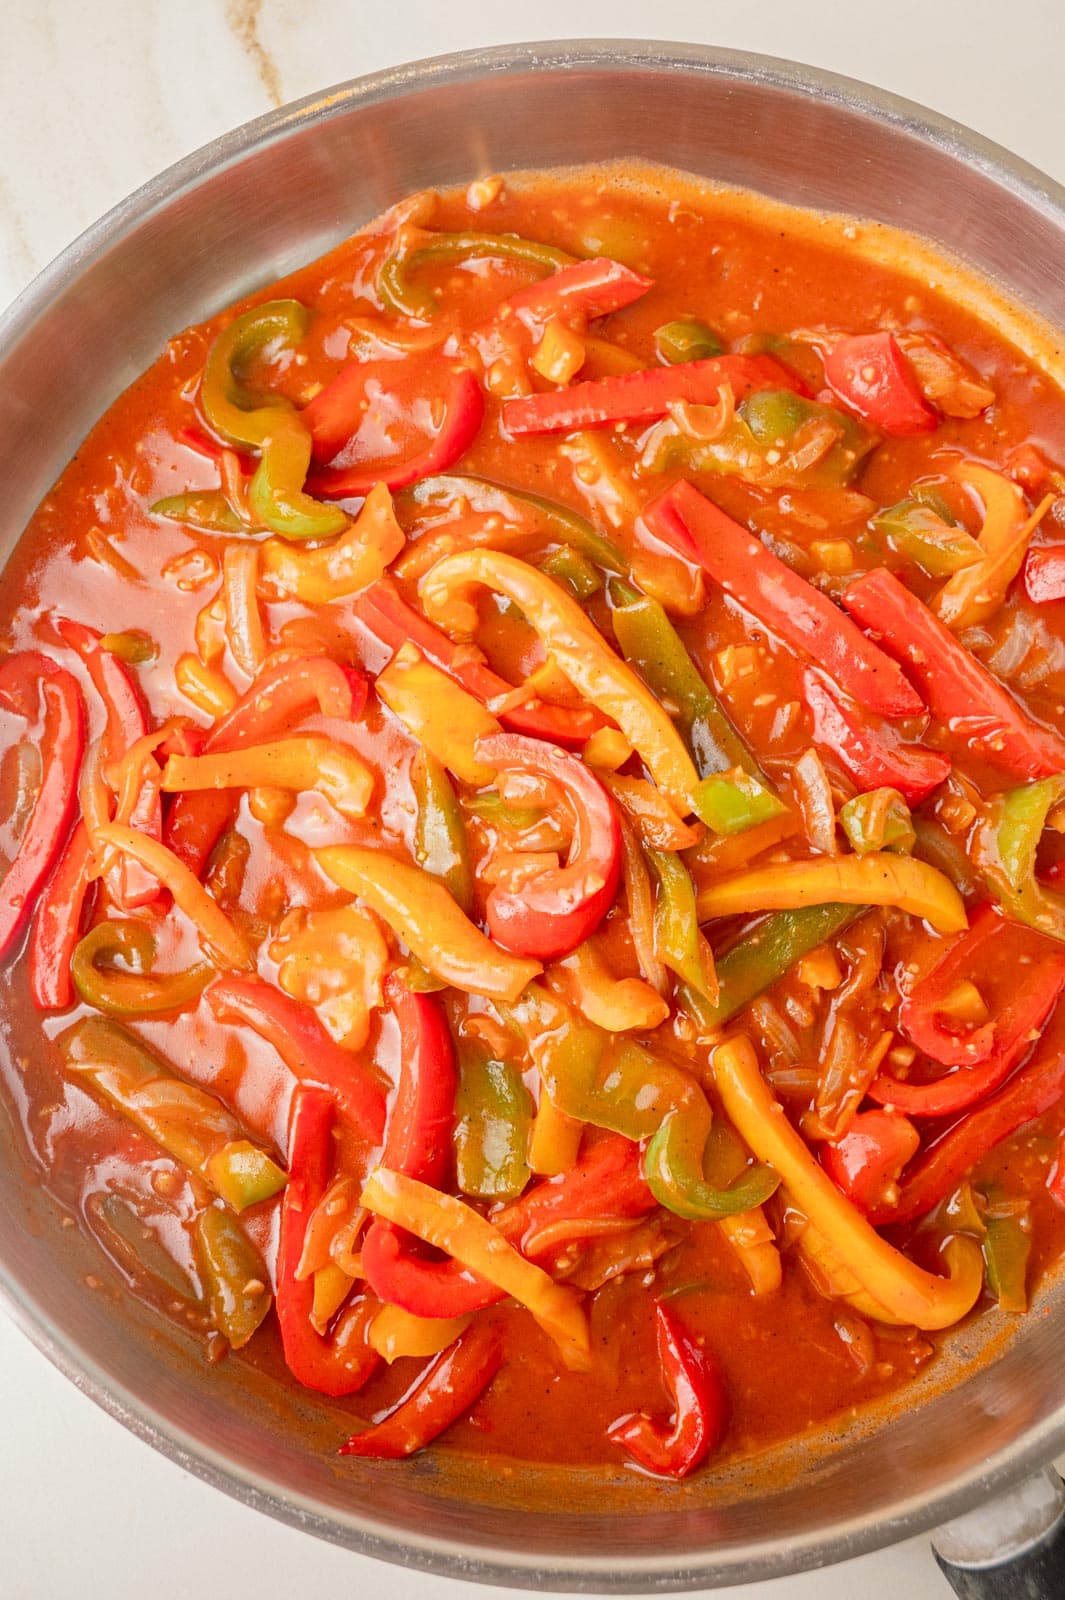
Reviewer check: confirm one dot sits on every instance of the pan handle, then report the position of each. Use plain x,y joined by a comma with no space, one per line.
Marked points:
1012,1549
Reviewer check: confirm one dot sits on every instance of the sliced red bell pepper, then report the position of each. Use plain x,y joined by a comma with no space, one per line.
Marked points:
389,617
642,396
700,1409
585,290
607,1181
793,609
127,721
961,694
985,1056
31,684
418,1143
280,695
304,1046
871,376
866,1163
1032,1091
452,1382
874,756
341,1363
1044,574
57,924
335,415
554,912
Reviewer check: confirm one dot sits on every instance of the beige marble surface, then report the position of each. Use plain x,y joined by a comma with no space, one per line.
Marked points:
95,97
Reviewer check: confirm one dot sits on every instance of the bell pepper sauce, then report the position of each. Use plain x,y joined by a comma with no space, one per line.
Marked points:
423,370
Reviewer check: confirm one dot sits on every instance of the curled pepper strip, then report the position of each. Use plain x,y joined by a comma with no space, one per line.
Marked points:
385,612
29,680
903,1290
444,249
232,410
276,497
132,993
555,911
342,1363
453,1382
976,592
344,567
878,879
798,613
266,422
463,402
607,682
429,921
700,1410
449,1224
305,1047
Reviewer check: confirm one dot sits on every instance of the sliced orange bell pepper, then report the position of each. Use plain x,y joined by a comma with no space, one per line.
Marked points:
442,716
344,567
306,761
900,1289
430,922
878,879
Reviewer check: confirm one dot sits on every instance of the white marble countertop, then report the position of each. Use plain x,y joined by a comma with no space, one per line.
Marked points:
95,97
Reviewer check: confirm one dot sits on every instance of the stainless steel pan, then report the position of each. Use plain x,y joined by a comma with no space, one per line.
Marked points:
239,213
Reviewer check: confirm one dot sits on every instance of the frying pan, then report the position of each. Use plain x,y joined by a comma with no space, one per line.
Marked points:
242,211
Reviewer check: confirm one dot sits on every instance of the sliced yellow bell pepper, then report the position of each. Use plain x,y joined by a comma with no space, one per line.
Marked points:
346,565
439,713
900,1289
971,595
556,1139
604,680
450,1225
430,922
209,689
223,939
878,879
753,1240
617,1004
394,1333
307,761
